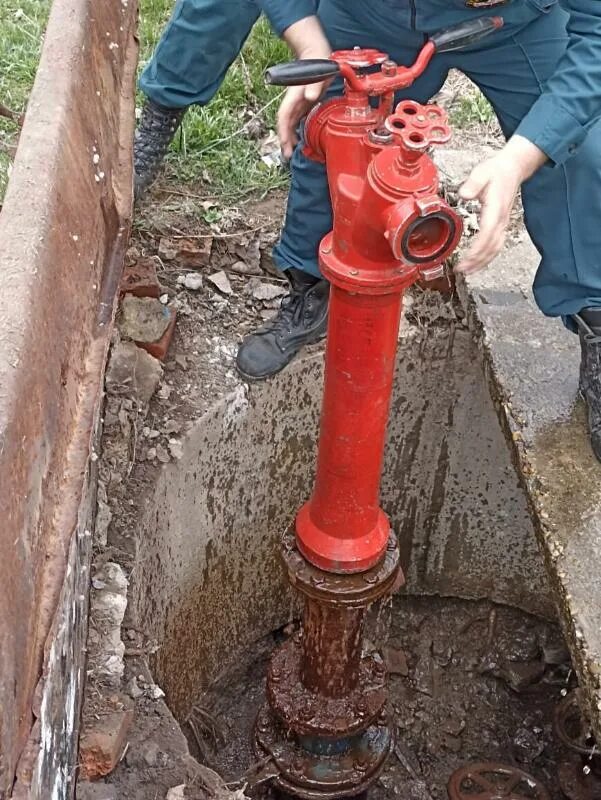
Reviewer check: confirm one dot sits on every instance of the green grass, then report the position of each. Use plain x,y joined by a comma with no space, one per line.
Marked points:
22,23
472,108
213,146
213,143
231,167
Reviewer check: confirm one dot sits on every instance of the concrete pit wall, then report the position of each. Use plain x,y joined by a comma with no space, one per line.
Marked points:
210,581
63,227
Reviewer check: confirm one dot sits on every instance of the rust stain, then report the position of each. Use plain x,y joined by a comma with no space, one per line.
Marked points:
63,230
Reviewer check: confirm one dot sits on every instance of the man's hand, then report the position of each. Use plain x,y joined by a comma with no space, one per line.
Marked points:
495,183
307,40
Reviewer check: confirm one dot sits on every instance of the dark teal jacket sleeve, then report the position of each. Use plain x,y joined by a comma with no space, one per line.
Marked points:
284,13
570,104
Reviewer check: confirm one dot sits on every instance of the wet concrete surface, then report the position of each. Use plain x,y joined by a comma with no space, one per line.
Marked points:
470,681
533,362
209,530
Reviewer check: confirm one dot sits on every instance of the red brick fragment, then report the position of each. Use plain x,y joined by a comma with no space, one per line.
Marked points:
140,279
101,747
159,349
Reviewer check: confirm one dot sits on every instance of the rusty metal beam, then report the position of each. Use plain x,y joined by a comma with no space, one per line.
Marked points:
63,228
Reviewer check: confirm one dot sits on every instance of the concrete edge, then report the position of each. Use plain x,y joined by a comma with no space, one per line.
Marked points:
531,365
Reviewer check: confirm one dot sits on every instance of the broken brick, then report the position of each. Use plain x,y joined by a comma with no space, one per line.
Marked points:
159,348
445,285
194,253
190,253
101,747
142,319
140,279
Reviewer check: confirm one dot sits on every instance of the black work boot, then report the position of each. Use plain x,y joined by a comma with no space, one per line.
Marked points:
154,133
302,319
589,328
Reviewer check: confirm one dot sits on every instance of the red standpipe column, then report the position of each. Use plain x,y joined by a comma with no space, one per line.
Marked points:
342,528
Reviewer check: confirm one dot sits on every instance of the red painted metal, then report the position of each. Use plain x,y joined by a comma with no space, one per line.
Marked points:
391,228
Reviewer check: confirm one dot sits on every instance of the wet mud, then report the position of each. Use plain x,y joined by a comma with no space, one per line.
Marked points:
468,682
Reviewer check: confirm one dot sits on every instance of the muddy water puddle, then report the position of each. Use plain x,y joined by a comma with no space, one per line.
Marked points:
468,682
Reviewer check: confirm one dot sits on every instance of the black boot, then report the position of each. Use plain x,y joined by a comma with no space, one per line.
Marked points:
589,328
156,129
301,320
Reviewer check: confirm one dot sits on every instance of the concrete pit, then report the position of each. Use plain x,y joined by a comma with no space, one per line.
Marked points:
487,461
474,628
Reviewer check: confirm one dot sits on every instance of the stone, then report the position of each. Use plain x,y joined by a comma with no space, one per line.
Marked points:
520,675
133,690
108,605
133,372
521,645
102,746
162,454
418,790
164,392
396,661
176,448
95,791
268,291
527,745
103,520
172,426
143,319
150,752
177,792
192,281
423,674
242,268
451,743
221,282
167,249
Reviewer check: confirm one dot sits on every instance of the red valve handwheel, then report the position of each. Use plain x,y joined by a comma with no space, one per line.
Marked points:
419,127
359,57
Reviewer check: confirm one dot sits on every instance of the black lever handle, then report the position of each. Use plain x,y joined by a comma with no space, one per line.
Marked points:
299,73
315,70
464,34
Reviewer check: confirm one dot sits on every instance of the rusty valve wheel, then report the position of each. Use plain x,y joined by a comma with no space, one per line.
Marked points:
572,727
490,781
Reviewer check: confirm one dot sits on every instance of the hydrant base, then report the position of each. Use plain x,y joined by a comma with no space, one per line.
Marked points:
309,714
314,776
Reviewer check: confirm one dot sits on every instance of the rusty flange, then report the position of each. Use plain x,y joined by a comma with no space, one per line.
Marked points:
491,781
572,727
576,782
315,776
308,713
354,590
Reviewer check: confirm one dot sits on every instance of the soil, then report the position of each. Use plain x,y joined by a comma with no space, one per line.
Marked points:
481,685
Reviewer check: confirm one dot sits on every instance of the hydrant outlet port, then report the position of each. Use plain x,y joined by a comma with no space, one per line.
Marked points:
429,239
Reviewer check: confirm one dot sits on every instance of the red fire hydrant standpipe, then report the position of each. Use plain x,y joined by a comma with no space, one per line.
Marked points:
326,726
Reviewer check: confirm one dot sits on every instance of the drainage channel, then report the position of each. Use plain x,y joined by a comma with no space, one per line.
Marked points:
476,666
